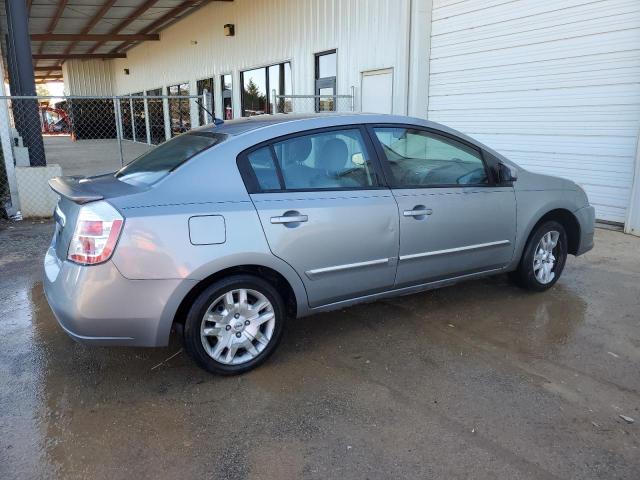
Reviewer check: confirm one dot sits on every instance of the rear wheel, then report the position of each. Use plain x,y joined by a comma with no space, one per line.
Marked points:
543,258
234,325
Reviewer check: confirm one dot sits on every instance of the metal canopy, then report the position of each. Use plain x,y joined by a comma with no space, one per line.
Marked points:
62,29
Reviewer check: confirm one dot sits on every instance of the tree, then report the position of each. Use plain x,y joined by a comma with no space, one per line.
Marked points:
254,99
42,90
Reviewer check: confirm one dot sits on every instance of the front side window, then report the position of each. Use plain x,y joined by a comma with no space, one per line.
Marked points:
158,162
416,158
320,161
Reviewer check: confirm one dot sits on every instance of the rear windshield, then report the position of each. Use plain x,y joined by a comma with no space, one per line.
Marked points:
157,163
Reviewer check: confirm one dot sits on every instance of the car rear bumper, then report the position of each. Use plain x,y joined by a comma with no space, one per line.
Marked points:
587,218
97,305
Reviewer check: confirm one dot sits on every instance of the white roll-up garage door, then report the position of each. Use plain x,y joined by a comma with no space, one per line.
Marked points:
554,86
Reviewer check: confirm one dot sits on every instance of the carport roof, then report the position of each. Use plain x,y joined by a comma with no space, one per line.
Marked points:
51,18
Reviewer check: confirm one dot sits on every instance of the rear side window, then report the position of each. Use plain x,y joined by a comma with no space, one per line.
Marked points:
324,160
157,163
264,169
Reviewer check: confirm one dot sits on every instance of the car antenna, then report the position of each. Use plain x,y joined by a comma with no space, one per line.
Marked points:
216,121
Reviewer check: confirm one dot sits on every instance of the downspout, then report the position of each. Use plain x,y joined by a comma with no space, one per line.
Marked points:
632,224
418,57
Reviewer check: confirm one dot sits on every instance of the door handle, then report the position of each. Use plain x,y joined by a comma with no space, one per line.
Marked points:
418,212
289,219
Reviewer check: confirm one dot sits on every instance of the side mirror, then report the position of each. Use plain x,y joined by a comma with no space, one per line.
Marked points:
507,173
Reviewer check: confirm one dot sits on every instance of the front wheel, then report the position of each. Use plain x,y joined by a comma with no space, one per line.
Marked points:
543,258
234,325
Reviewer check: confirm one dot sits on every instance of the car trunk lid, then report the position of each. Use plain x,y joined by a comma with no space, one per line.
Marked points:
77,191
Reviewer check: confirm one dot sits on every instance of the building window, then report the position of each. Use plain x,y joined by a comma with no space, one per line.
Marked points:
179,109
139,121
226,83
257,85
156,116
326,66
205,101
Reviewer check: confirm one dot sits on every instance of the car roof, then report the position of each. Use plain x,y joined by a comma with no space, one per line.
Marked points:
310,120
246,124
300,122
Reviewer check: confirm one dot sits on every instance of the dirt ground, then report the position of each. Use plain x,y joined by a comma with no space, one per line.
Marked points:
479,380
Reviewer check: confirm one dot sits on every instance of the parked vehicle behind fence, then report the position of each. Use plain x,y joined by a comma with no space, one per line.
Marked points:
228,231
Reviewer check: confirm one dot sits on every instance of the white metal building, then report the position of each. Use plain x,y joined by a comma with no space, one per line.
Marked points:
555,86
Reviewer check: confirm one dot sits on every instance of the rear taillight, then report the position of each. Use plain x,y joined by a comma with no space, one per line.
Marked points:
96,234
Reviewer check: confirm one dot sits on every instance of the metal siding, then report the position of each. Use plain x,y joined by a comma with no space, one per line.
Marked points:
368,34
555,86
87,77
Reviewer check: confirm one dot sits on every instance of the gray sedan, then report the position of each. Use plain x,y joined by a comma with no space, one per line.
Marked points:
227,231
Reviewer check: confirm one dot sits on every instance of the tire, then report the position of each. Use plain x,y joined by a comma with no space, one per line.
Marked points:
233,338
535,277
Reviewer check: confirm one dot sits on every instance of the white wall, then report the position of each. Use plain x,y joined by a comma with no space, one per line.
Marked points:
88,77
368,34
555,86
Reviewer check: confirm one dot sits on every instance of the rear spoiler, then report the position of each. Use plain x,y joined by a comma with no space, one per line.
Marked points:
71,188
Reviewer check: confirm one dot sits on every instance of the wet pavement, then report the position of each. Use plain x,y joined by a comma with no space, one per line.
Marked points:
479,380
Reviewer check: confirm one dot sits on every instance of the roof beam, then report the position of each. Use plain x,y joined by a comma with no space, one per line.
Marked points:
62,37
125,23
170,15
86,56
92,23
47,69
54,21
56,17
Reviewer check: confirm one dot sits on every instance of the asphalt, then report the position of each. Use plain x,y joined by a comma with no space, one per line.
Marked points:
479,380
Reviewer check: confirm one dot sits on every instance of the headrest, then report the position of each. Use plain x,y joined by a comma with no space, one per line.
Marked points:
298,150
333,155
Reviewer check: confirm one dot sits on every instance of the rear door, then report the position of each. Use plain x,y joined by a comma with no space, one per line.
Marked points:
454,219
325,212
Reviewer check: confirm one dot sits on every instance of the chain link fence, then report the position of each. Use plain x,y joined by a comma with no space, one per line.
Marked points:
43,137
312,103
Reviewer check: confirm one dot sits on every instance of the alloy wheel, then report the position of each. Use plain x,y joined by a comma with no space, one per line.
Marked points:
237,326
545,258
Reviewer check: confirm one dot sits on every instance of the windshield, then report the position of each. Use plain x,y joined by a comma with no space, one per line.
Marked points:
157,163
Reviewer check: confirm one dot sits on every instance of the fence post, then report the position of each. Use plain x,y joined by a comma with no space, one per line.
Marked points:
353,98
133,121
116,110
147,125
167,118
207,104
274,102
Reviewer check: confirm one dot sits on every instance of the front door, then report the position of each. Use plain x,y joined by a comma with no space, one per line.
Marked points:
454,220
324,212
